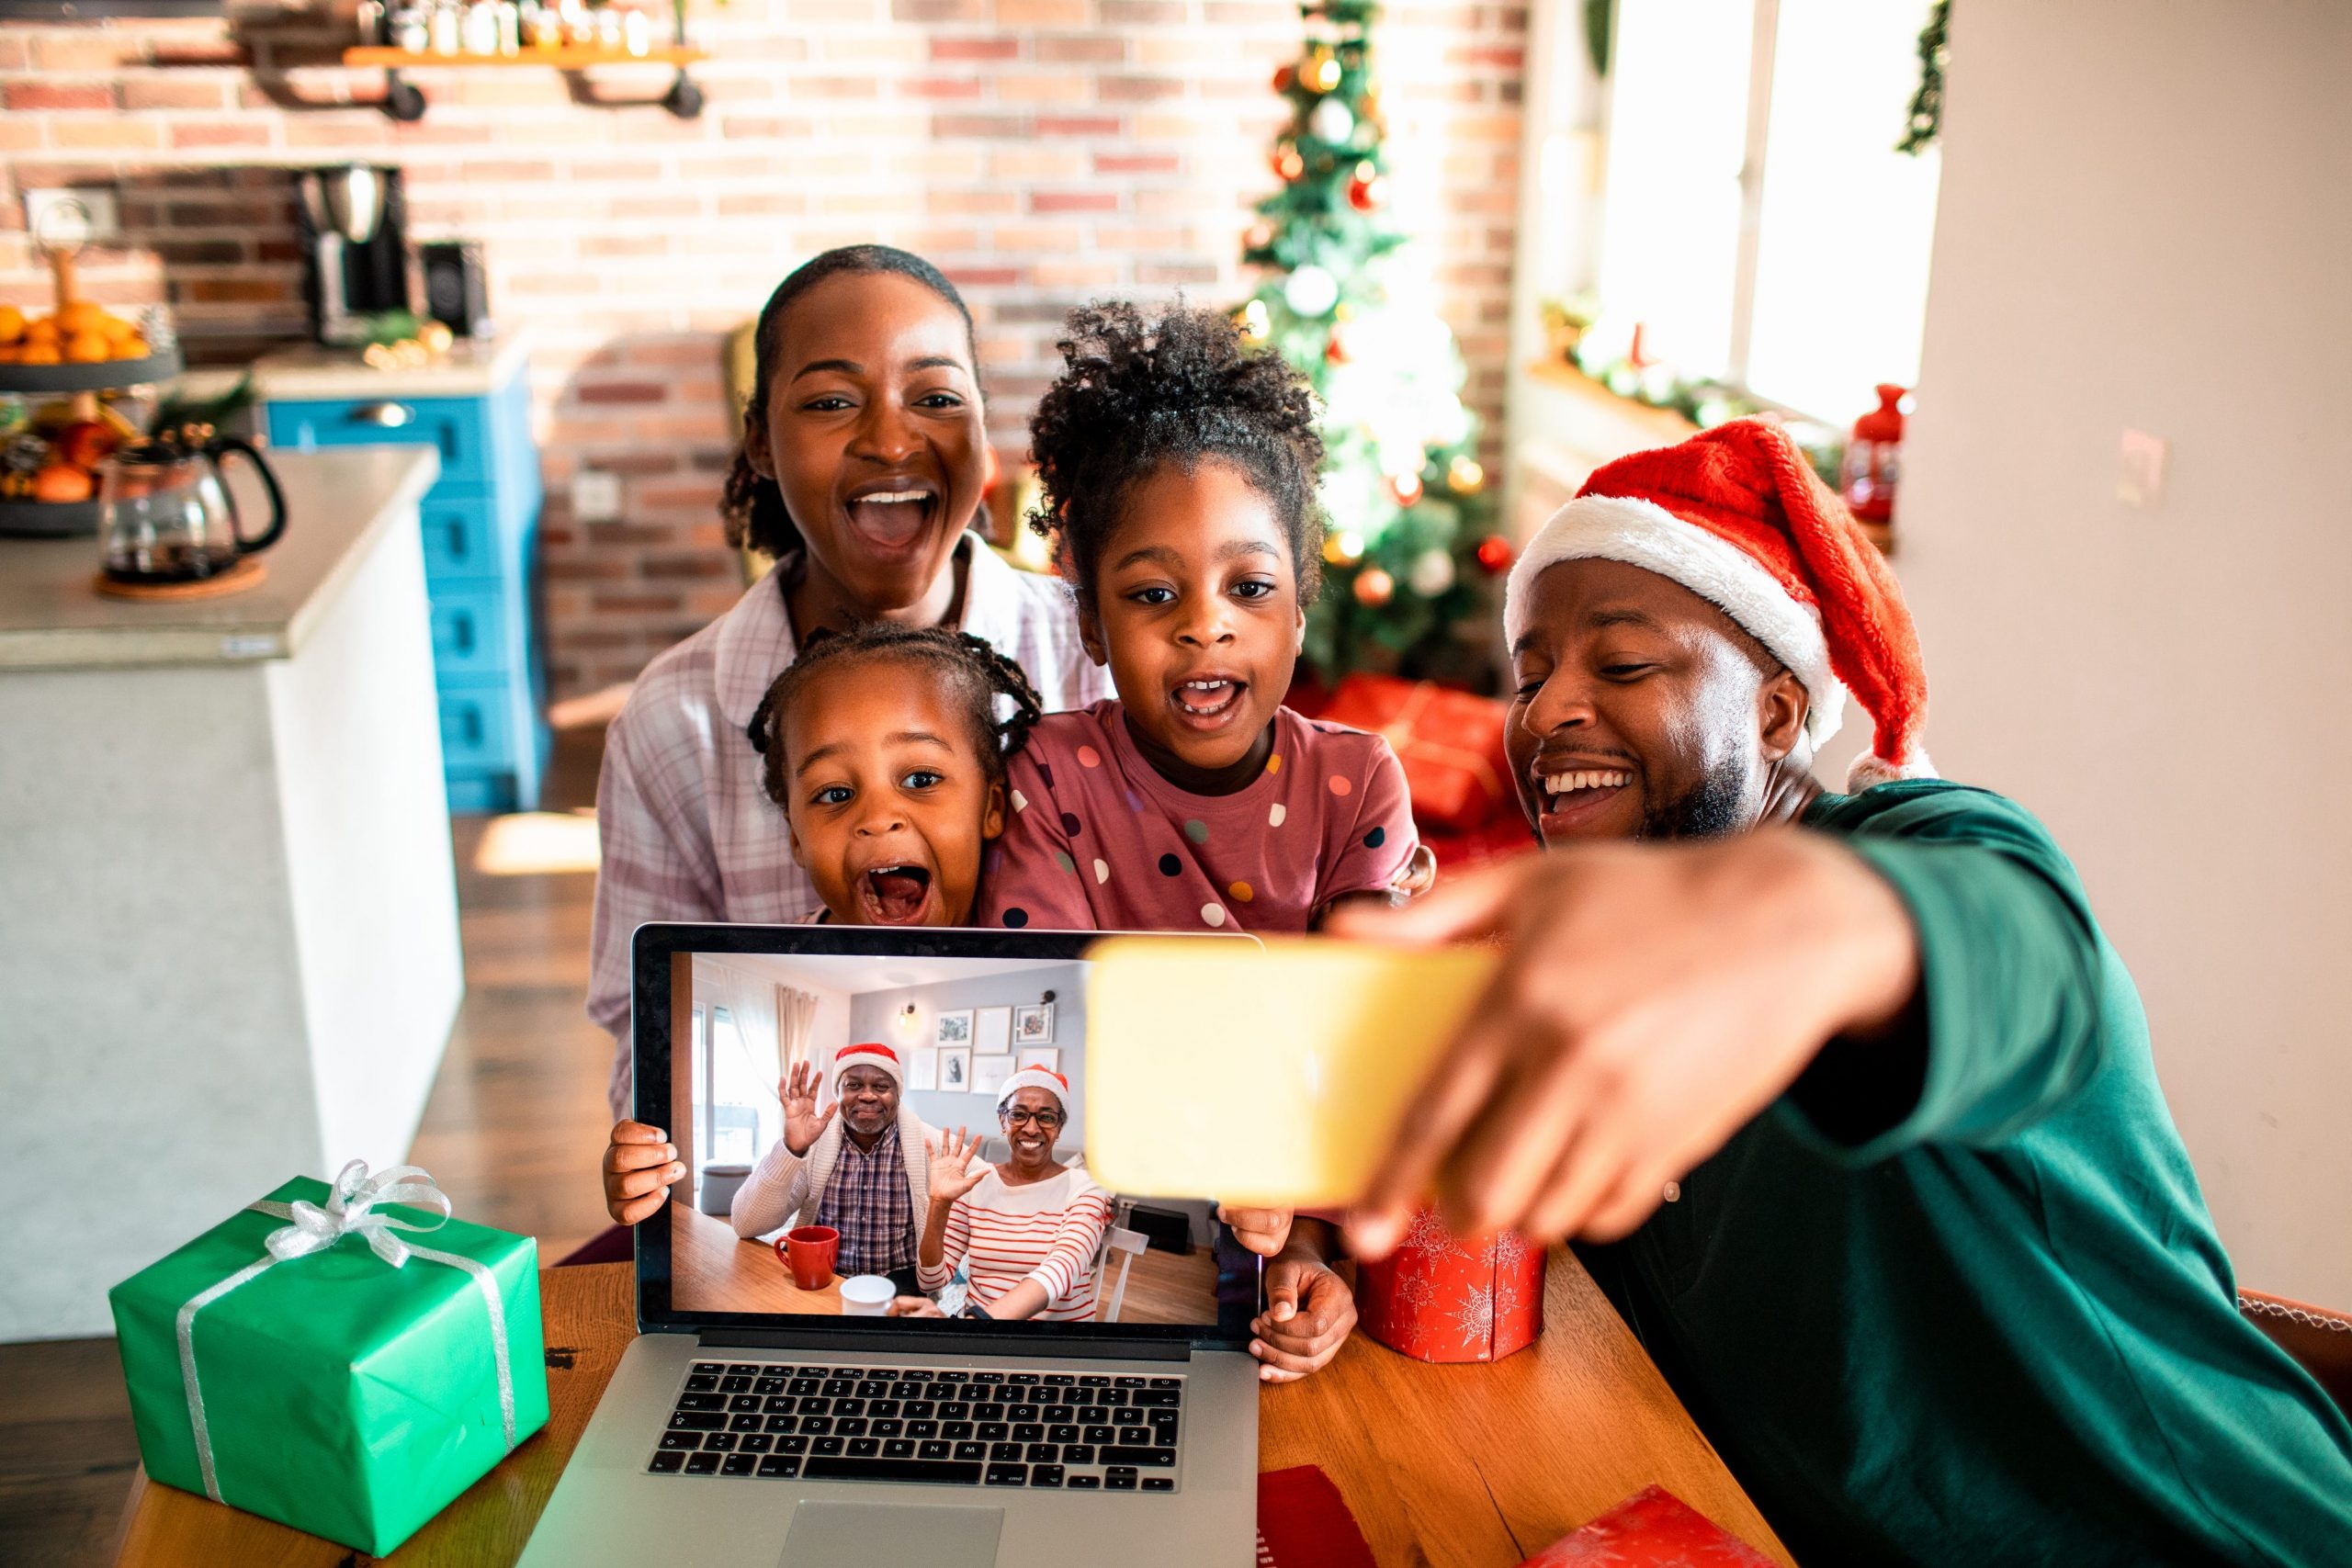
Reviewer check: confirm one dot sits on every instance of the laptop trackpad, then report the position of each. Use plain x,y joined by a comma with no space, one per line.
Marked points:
825,1534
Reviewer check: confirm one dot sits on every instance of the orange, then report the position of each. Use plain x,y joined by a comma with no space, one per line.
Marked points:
132,347
88,348
39,354
12,323
118,329
80,315
62,481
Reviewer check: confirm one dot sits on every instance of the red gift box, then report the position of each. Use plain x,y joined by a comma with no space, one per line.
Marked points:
1440,1299
1450,743
1653,1529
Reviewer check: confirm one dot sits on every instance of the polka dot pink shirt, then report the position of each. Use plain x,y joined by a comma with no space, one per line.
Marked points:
1097,840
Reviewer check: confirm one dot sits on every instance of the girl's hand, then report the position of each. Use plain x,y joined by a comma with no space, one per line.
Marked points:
912,1307
1263,1231
1309,1314
949,1156
802,1122
639,1165
1415,877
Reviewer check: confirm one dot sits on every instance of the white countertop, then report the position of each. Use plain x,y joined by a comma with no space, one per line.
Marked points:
336,504
307,370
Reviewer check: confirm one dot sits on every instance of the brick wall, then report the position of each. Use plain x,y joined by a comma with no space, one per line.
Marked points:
1042,151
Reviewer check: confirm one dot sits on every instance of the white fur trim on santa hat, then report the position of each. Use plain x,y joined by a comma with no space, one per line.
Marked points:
1644,533
870,1055
1036,1077
1871,769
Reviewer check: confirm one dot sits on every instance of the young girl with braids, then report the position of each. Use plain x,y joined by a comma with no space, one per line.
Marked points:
1179,475
883,751
862,462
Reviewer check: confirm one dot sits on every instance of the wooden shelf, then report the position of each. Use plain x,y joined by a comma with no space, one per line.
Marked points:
567,58
1664,424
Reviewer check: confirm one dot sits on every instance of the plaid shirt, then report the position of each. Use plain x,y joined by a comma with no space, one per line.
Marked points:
867,1201
688,831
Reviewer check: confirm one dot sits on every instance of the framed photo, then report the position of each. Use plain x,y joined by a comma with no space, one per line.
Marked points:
954,1067
989,1074
992,1031
1033,1025
925,1067
1047,1056
954,1029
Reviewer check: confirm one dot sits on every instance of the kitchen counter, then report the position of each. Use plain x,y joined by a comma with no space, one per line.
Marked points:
336,502
229,902
470,370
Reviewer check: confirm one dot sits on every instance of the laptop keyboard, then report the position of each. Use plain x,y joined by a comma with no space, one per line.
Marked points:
1075,1431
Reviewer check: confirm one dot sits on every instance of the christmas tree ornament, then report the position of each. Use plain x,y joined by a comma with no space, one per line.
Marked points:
1495,554
1366,195
1405,488
1255,322
1258,236
1285,78
1343,549
1465,476
1431,573
1288,165
1336,351
1330,121
1311,291
1375,588
1322,72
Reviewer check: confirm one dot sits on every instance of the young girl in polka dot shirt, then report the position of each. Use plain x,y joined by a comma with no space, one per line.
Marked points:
1179,472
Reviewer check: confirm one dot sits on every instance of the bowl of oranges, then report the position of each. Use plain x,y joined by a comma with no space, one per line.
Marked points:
80,346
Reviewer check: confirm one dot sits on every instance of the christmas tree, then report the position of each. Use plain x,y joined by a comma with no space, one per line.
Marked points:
1410,545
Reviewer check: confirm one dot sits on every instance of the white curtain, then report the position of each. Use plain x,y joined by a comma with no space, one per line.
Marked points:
795,1019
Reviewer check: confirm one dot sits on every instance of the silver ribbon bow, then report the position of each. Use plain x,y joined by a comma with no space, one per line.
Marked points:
350,1211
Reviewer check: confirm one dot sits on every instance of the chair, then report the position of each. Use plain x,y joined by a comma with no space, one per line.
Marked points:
2319,1338
1128,1244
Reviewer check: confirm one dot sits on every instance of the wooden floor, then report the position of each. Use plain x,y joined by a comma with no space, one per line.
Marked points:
513,1133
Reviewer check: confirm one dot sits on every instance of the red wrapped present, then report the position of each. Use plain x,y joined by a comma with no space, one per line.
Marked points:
1499,840
1450,743
1440,1299
1653,1529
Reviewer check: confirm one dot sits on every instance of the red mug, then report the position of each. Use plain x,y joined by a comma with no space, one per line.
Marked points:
808,1252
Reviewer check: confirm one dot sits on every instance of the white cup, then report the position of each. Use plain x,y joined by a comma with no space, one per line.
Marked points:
867,1295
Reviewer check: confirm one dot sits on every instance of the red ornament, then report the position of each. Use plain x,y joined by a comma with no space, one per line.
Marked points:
1375,588
1405,488
1336,351
1287,163
1285,76
1366,192
1495,554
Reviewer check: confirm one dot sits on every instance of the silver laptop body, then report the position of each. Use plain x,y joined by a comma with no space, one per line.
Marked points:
720,1439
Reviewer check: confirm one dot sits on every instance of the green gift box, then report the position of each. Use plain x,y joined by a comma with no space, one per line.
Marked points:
285,1364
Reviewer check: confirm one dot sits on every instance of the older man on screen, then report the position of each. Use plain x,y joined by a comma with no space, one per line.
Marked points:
860,1165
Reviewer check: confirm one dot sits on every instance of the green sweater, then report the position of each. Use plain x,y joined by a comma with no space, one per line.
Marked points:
1955,1299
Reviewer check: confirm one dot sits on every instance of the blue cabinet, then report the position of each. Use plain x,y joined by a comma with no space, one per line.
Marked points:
480,528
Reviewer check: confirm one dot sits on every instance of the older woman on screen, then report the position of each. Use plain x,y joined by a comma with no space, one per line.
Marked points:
1026,1231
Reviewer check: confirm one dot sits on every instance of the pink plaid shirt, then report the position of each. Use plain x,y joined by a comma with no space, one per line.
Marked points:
688,833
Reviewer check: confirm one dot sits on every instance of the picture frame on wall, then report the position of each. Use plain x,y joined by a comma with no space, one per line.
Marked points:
1033,1025
991,1032
954,1068
923,1070
989,1074
953,1028
1047,1056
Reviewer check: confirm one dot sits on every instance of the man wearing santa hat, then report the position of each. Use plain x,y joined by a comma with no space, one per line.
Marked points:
860,1165
1847,1095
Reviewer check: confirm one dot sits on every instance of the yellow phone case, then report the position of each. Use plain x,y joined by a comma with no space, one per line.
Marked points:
1272,1073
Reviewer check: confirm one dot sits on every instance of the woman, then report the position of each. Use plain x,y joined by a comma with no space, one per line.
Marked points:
1026,1231
864,458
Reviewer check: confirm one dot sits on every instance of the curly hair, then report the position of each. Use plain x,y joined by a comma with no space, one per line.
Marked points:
752,504
970,669
1138,393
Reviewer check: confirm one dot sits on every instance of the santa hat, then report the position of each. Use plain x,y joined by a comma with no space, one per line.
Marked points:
870,1055
1052,1082
1737,515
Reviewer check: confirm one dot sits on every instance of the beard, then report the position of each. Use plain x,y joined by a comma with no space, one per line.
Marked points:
1714,808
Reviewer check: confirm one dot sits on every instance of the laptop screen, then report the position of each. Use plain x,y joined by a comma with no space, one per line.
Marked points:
884,1133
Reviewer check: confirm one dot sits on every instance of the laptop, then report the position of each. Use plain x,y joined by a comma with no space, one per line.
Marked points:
753,1423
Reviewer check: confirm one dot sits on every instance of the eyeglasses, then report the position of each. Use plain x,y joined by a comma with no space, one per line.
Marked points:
1048,1120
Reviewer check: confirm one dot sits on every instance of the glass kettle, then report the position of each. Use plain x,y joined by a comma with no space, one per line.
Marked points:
164,516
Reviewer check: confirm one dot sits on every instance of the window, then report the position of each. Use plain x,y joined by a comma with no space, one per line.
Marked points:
726,1096
1756,219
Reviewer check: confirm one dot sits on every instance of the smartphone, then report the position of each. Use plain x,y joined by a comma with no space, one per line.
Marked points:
1272,1073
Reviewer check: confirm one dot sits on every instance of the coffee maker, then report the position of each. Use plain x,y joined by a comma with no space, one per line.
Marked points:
355,239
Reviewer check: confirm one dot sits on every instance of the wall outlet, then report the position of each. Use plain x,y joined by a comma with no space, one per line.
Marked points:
595,496
2139,470
52,215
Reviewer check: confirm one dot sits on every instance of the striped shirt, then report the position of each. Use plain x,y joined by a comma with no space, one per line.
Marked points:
1048,1231
867,1201
688,833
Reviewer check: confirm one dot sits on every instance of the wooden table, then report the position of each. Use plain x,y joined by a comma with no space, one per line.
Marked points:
1452,1467
713,1270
